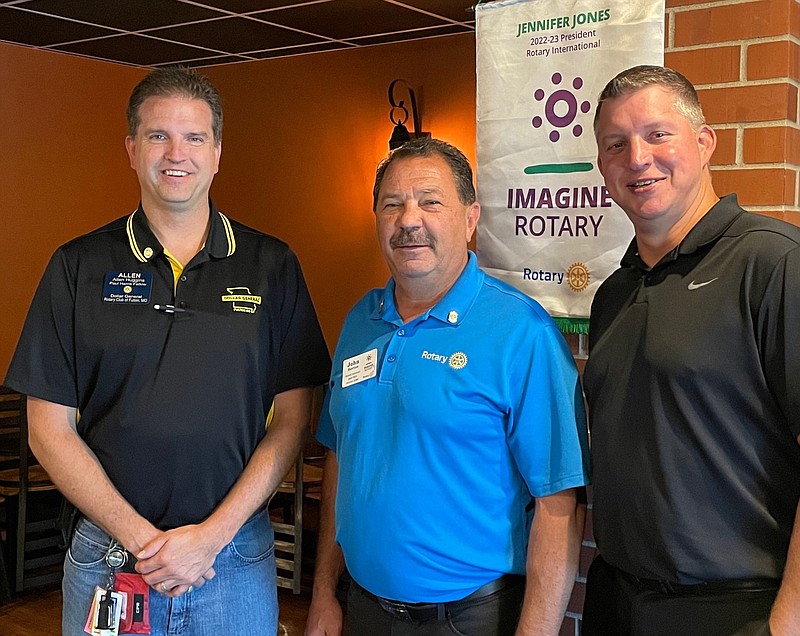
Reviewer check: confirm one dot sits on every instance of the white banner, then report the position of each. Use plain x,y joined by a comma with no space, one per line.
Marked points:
548,225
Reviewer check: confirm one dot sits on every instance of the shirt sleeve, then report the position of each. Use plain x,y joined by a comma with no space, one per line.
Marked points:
43,364
547,431
305,360
779,318
326,433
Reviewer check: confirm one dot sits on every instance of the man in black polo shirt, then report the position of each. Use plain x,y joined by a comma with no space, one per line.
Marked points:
693,386
154,349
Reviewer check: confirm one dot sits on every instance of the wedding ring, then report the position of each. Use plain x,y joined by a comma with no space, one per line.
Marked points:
191,587
163,587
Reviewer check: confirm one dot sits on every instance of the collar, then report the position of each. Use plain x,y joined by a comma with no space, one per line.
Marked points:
220,242
450,310
708,229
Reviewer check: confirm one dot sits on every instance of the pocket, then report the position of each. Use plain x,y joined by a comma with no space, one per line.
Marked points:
86,553
253,543
474,619
453,629
494,615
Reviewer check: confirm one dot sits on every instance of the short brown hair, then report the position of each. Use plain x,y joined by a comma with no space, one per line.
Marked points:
176,81
637,77
427,147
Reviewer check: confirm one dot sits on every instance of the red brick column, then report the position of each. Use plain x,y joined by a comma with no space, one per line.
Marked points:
746,67
744,59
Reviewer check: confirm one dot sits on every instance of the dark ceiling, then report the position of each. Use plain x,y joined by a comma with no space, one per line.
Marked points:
153,33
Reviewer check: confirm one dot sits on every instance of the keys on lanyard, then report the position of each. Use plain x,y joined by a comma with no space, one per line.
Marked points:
116,558
107,604
107,616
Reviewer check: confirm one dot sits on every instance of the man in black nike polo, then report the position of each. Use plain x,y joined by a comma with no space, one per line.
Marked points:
693,386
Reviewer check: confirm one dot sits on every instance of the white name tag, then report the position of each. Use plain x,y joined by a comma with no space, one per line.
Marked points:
359,368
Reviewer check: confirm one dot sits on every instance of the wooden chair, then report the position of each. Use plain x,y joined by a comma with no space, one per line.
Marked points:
291,497
5,589
10,413
32,503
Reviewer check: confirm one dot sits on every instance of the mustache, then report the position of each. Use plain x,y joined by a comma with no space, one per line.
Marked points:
412,237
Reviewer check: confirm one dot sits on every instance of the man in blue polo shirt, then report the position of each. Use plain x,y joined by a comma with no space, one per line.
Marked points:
454,403
153,351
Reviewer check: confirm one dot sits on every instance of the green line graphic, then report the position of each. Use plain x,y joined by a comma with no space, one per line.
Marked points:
558,168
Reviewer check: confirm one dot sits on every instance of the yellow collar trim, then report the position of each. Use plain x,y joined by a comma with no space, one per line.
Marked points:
132,240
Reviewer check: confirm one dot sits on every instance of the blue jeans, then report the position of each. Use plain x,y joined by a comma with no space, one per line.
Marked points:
240,599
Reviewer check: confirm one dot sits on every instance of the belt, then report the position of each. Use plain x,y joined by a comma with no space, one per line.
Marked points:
706,587
422,612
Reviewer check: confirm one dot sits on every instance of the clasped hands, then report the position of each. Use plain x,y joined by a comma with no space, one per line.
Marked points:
177,561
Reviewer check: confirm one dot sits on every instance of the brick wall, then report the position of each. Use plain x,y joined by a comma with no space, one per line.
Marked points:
744,59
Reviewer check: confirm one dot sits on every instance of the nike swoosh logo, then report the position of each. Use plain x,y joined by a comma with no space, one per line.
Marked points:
694,285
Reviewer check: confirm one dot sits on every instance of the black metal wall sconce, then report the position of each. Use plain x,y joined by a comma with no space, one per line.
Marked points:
399,114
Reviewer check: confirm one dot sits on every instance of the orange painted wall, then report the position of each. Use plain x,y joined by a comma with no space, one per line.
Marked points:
301,140
63,168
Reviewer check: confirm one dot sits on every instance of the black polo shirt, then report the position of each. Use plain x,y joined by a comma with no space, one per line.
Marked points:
693,386
173,382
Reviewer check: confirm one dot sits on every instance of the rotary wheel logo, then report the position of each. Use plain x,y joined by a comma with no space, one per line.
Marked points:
578,277
458,360
561,107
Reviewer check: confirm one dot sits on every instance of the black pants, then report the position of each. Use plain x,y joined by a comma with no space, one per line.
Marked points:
493,615
616,606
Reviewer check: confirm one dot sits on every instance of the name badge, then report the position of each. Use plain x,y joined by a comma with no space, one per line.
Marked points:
359,368
127,288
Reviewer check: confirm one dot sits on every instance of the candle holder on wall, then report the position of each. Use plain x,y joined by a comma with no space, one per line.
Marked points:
399,115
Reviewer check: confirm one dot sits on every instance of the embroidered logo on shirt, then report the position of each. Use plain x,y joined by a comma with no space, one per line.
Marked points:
694,285
242,300
458,360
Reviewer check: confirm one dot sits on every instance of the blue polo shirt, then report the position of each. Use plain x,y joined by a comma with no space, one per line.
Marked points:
472,409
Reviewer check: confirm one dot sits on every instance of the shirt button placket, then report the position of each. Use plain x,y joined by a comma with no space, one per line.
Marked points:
394,349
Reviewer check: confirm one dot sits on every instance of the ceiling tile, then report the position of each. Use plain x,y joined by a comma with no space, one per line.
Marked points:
450,29
124,14
213,32
248,6
341,19
135,49
234,35
459,10
209,61
299,50
23,27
